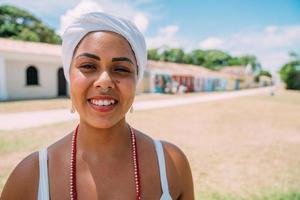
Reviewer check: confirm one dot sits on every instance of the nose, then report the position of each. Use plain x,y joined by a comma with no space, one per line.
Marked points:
104,81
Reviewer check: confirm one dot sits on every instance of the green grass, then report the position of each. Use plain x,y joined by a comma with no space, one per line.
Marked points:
262,196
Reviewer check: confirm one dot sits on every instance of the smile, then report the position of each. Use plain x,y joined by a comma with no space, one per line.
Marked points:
103,105
103,102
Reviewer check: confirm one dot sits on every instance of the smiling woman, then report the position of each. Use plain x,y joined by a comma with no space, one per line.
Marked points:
104,157
106,73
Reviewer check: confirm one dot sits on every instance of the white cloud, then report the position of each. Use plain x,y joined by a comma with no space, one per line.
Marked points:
166,37
141,21
169,30
82,8
270,45
269,38
281,36
119,8
211,43
273,60
271,29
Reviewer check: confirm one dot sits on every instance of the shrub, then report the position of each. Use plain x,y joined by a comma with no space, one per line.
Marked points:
290,74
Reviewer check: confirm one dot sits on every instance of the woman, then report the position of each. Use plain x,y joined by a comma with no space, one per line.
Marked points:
103,158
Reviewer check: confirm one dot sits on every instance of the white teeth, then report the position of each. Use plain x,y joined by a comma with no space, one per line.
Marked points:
106,102
102,102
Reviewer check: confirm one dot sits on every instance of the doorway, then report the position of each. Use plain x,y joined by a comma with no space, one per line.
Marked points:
62,83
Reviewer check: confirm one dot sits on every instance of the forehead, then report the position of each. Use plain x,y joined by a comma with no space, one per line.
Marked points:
104,42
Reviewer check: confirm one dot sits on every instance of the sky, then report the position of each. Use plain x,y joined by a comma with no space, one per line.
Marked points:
268,29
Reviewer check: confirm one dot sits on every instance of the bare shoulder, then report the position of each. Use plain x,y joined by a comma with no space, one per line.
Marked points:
178,169
176,153
183,170
23,181
142,137
60,146
177,156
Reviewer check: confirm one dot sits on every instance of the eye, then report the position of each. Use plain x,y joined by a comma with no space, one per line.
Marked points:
87,67
122,70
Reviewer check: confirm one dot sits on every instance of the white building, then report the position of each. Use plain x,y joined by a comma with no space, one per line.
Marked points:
30,70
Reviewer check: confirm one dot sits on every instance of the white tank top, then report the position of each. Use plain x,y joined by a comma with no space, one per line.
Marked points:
43,192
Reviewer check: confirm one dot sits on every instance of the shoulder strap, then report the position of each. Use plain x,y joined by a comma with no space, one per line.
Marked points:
43,193
162,170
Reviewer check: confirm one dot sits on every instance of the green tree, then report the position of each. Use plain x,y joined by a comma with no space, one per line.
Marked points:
187,58
290,74
173,55
263,72
153,54
234,61
211,59
164,55
197,57
252,60
19,24
215,59
248,59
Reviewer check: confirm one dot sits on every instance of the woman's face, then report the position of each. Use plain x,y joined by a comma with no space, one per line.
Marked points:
103,71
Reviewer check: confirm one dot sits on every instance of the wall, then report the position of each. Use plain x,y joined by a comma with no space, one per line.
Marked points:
16,79
3,87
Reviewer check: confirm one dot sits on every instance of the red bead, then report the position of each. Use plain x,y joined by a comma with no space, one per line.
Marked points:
73,193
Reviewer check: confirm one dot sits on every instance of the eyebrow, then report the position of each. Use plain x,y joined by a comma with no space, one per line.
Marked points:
98,58
89,55
121,59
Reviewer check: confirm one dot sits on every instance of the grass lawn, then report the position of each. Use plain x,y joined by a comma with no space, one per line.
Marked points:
243,148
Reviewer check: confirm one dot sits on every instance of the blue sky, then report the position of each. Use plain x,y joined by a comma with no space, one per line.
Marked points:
269,29
223,17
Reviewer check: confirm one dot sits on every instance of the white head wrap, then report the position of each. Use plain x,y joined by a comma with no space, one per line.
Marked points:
97,21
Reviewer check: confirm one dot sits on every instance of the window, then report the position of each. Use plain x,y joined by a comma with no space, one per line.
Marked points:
32,76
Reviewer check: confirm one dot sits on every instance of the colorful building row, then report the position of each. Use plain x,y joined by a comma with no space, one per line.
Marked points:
165,77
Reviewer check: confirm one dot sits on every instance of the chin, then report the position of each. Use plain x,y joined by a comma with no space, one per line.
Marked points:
103,123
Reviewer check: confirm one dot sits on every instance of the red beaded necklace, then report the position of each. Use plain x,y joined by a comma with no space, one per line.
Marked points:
73,190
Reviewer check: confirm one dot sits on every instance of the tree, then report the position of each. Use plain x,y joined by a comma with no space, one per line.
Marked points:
153,54
187,58
234,61
252,60
19,24
215,59
173,55
290,74
263,72
247,59
211,59
197,57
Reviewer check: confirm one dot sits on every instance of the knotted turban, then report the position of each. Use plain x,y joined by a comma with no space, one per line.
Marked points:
98,21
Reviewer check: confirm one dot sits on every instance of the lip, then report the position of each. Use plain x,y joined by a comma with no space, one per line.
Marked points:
103,97
103,108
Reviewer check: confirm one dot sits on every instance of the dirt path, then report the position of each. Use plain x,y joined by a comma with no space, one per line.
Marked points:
11,121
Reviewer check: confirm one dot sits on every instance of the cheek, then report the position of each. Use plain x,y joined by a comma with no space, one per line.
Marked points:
78,79
127,87
128,83
78,86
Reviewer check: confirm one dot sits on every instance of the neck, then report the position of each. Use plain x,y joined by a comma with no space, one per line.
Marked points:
107,141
